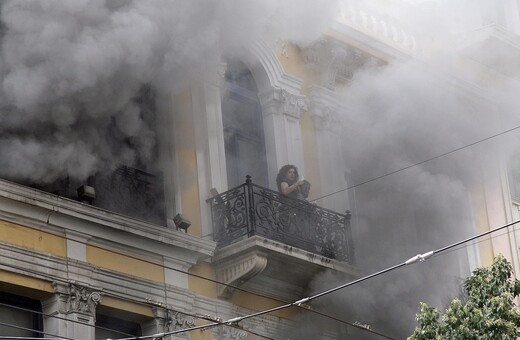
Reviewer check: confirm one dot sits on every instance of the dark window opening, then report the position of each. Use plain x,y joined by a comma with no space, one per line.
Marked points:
108,327
136,189
20,316
243,127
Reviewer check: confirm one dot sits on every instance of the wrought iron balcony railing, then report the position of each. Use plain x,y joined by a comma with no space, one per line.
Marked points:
250,209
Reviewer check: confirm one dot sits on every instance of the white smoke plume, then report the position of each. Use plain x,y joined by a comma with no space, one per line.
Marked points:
71,71
399,115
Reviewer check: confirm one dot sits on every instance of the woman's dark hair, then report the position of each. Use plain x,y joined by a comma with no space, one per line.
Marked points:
281,177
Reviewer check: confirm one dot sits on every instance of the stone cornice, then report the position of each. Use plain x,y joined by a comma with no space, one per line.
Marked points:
30,205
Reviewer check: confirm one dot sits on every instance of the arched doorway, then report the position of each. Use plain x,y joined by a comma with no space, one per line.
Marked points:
243,127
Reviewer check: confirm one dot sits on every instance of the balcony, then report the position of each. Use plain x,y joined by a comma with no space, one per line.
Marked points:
259,231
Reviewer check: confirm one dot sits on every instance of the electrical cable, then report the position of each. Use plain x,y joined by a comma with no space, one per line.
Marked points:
149,304
412,260
190,274
60,318
436,253
419,163
351,187
34,330
297,205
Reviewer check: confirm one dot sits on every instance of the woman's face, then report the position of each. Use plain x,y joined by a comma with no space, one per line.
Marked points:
291,174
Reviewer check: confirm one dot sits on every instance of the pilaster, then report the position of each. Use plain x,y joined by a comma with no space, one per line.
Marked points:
282,106
72,310
325,111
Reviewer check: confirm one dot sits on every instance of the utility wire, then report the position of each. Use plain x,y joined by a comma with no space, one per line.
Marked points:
190,274
149,304
33,330
412,260
60,318
336,192
302,205
418,163
445,249
198,316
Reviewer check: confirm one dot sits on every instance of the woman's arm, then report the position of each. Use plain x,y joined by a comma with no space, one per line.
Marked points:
286,189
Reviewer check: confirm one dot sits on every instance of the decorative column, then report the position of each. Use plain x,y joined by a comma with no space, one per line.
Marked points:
282,109
72,311
334,171
168,321
282,106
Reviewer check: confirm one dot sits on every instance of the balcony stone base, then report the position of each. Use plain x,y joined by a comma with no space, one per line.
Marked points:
272,268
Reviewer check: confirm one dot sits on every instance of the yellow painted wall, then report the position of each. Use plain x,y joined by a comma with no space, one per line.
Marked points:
124,264
32,239
187,161
239,298
258,303
24,285
293,64
201,286
126,310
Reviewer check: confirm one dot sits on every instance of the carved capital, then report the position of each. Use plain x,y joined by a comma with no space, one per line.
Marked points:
83,299
230,333
180,321
238,269
283,102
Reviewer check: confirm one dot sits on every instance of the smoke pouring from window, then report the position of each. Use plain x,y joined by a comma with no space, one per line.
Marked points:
70,72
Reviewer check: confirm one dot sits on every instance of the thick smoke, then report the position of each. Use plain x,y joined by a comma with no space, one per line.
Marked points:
399,115
71,72
74,73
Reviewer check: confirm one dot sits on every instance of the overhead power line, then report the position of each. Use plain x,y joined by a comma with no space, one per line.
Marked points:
56,337
327,195
301,302
288,206
348,323
419,163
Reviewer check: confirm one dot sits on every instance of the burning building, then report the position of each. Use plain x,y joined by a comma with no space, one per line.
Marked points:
141,144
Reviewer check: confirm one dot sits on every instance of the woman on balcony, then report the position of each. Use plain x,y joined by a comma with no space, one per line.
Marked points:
289,183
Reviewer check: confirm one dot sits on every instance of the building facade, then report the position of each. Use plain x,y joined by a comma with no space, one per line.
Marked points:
199,234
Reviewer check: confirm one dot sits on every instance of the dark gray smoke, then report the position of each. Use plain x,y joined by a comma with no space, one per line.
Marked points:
71,72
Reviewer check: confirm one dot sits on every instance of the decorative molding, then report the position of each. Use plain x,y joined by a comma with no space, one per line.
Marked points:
281,101
269,66
230,333
336,62
43,210
181,321
83,299
281,46
237,269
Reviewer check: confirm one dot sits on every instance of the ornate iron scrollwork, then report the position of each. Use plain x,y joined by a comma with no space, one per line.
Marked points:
254,210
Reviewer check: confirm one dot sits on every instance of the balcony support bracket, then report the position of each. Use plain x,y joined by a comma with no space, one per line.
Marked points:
236,270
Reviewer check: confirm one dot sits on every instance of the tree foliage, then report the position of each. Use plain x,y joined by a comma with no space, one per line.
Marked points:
487,312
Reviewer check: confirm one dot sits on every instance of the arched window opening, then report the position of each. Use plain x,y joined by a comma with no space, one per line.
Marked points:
243,127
